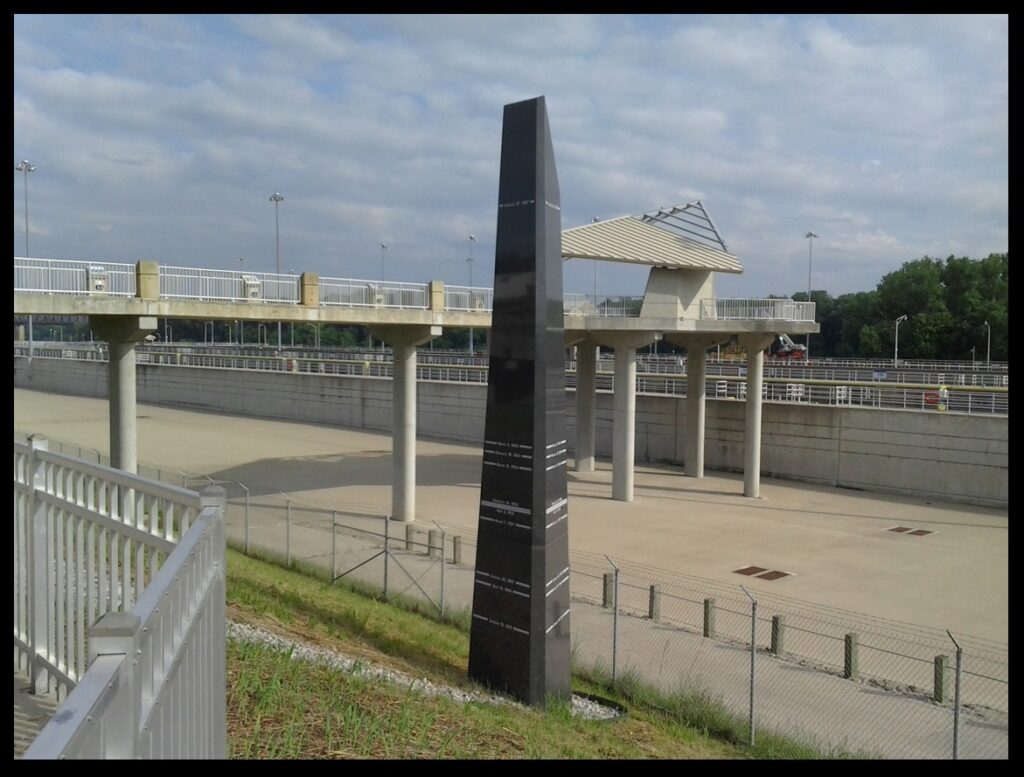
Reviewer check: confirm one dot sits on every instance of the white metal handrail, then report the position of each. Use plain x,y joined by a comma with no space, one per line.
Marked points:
756,310
88,539
468,298
66,276
155,687
355,293
228,285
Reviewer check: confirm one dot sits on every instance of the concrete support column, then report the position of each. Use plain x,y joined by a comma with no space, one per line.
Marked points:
696,358
755,346
624,414
403,341
122,333
403,499
586,369
123,440
624,424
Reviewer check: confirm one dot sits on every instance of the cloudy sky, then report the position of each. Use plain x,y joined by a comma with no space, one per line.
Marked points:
163,137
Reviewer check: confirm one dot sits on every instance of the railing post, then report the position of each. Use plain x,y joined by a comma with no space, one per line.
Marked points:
117,633
615,623
38,589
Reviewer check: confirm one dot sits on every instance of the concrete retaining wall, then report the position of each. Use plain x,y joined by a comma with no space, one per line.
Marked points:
941,456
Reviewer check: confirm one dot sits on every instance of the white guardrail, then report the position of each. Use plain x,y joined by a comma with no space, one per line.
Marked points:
980,400
119,609
354,293
756,309
63,276
228,285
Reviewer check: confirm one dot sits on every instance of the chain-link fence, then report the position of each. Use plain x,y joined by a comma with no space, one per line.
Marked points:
819,680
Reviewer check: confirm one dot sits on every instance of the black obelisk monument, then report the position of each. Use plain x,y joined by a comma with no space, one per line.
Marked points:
519,639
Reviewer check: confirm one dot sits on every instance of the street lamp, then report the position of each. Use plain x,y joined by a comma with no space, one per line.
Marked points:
383,250
26,167
469,261
988,348
973,349
810,253
277,198
896,351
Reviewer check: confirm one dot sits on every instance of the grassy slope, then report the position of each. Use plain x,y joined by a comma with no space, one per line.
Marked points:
288,709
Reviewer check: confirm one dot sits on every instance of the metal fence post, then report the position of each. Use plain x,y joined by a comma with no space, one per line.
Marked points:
334,544
615,623
387,551
288,531
956,696
443,535
39,596
246,517
753,658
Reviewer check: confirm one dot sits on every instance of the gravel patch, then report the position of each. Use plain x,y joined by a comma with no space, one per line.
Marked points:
303,651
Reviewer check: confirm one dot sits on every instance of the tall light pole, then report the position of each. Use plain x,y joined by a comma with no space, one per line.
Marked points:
277,198
469,261
896,350
810,253
988,348
26,167
383,250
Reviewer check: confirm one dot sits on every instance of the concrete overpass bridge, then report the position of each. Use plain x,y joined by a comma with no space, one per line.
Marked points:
124,301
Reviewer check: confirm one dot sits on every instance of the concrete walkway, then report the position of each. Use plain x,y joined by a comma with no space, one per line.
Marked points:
31,712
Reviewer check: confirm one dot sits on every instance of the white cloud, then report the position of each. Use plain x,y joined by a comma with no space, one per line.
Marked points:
164,136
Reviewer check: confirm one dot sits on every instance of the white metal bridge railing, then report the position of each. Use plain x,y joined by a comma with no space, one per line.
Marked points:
353,293
468,298
756,309
118,608
228,285
64,276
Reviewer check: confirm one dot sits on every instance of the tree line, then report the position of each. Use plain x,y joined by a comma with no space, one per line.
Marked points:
947,304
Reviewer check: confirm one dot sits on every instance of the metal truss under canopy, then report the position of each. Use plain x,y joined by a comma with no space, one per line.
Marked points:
678,237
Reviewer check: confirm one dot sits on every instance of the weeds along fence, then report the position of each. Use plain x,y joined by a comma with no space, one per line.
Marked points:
841,682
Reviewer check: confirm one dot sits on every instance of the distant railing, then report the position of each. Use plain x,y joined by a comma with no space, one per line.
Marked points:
613,307
756,310
659,378
468,298
143,561
64,276
353,293
228,285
